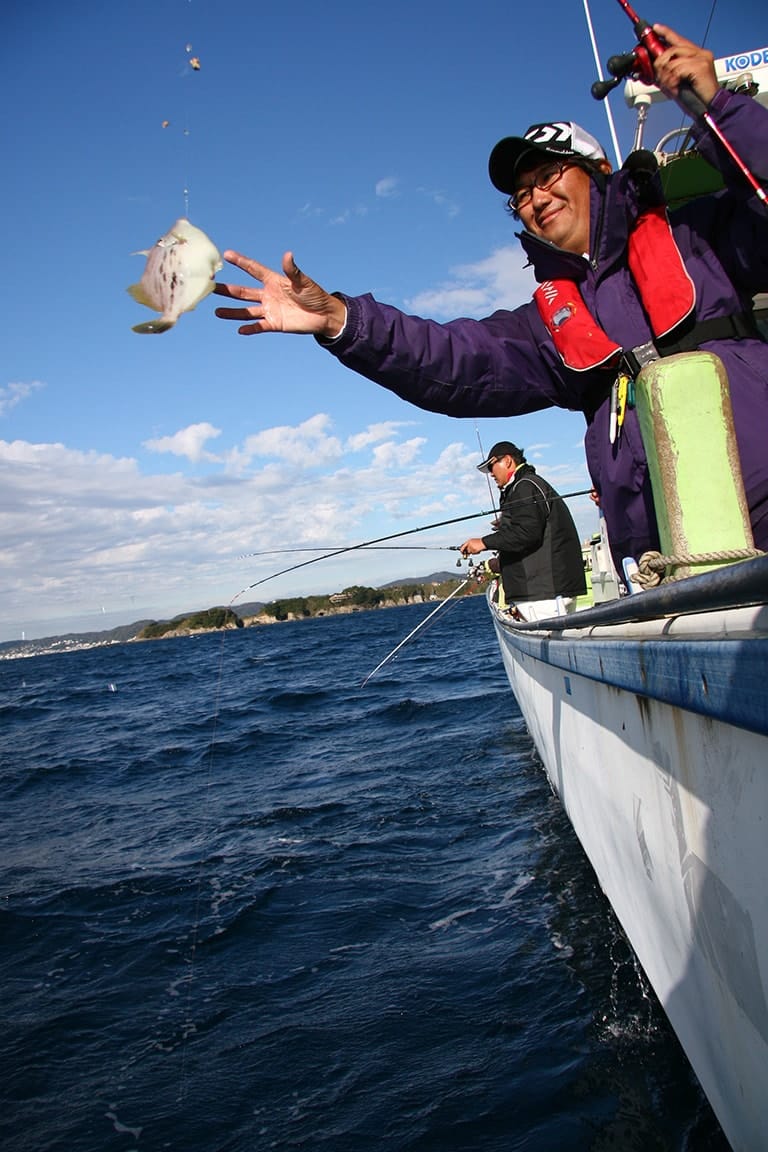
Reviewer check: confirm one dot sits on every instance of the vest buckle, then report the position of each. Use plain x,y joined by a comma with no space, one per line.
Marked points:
635,359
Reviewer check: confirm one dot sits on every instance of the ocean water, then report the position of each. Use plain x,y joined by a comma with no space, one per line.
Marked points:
246,904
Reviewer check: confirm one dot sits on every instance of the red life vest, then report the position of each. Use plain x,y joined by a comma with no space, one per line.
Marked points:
666,292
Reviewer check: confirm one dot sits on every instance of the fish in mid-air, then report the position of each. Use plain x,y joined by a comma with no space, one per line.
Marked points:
180,272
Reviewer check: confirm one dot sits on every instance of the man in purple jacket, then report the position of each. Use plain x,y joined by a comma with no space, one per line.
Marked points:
614,278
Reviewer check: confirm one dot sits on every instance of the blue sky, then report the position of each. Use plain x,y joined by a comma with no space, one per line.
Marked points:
135,471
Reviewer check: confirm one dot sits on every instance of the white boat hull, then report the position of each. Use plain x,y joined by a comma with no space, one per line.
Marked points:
671,807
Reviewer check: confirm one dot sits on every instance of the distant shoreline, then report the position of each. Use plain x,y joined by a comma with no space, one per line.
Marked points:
276,612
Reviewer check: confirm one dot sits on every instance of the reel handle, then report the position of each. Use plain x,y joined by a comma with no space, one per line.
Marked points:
621,66
601,88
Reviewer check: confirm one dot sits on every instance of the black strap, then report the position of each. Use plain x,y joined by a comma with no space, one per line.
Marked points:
685,338
740,326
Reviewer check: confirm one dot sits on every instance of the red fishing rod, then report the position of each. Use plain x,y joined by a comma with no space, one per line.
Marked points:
639,65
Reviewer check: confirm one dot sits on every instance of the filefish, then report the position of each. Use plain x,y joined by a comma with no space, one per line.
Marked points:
179,273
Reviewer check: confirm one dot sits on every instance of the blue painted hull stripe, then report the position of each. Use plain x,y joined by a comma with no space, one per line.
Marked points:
726,680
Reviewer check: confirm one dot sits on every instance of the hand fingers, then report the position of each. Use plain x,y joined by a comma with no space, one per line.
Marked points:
294,273
251,329
682,52
237,291
673,39
236,313
252,267
256,323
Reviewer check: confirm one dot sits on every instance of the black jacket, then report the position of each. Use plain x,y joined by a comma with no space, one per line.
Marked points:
536,538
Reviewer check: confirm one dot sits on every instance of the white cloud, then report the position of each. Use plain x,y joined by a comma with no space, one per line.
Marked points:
86,530
456,461
188,442
499,281
38,462
304,444
387,455
374,433
387,188
13,393
441,200
83,530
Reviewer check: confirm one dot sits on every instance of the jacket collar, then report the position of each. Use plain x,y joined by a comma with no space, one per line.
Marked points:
520,472
614,206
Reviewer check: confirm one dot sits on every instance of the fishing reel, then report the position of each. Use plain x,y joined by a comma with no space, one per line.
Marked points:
636,64
639,63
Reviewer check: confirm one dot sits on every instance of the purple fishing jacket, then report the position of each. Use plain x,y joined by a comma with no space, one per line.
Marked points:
506,364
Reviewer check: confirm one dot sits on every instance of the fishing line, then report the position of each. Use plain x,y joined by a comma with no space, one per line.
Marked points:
355,547
398,535
185,129
683,118
191,66
487,475
703,44
373,548
418,628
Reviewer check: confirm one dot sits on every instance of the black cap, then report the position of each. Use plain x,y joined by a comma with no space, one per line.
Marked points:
503,448
560,139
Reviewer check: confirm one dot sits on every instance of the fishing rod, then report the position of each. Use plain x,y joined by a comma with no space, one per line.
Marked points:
372,548
412,633
364,544
639,65
396,536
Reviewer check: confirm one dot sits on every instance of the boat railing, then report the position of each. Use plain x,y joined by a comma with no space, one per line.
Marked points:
741,585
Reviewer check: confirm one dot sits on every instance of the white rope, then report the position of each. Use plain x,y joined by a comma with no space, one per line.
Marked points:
652,565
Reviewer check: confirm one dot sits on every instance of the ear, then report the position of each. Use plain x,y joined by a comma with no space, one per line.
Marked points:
605,166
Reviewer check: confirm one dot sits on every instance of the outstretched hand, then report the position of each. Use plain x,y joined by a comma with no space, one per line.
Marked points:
290,302
683,62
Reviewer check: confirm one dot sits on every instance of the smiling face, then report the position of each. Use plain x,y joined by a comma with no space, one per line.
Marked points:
558,213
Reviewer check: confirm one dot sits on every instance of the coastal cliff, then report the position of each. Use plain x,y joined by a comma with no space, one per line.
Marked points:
356,598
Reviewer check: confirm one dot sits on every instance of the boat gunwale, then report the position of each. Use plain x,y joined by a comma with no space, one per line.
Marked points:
740,585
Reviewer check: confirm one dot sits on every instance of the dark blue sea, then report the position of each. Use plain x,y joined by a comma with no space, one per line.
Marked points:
248,905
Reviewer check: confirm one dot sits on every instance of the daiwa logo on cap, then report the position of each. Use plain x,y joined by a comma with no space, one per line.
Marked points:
558,135
555,138
565,137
